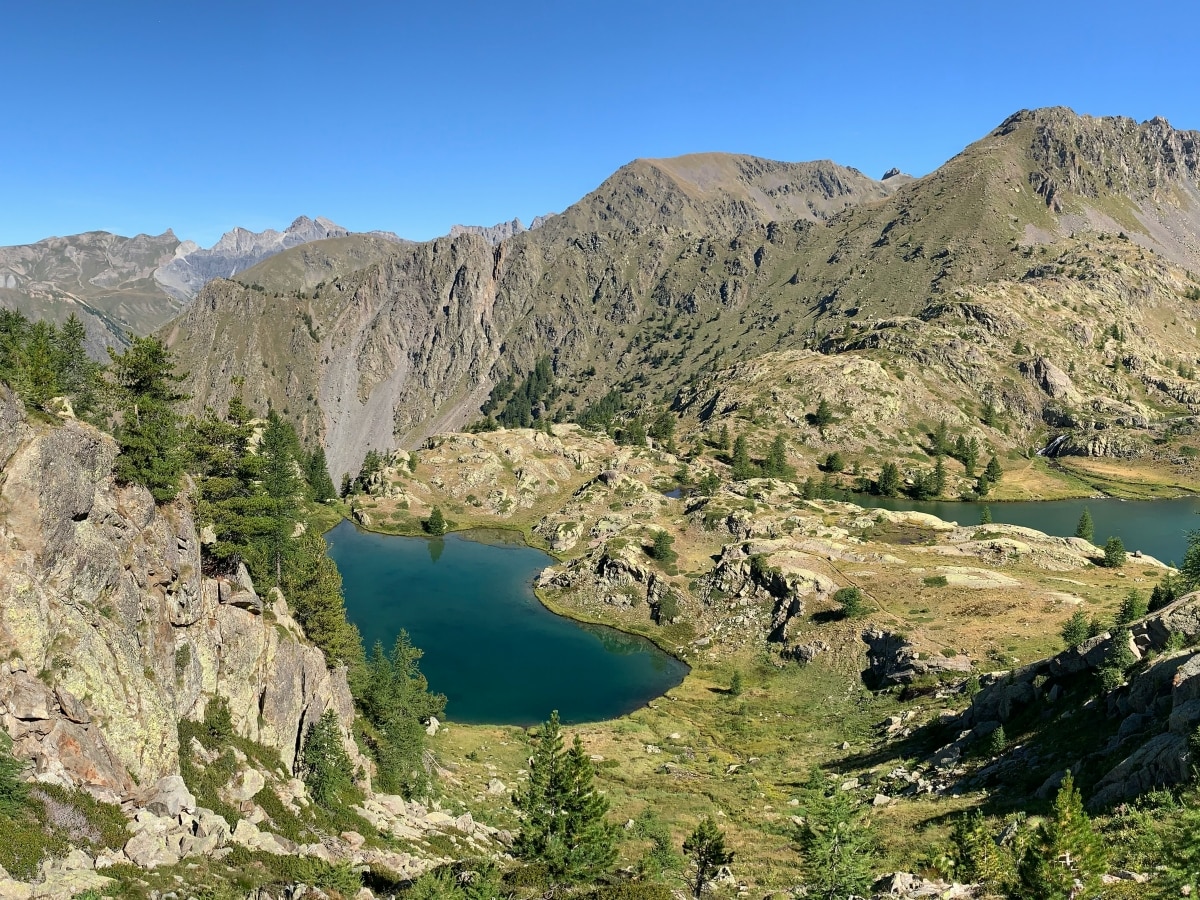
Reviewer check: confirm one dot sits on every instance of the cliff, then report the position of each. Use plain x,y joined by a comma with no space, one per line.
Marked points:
109,632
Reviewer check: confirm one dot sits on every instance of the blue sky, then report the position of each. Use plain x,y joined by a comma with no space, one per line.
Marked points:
135,116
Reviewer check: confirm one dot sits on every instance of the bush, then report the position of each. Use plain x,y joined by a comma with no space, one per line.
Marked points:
631,890
851,601
935,581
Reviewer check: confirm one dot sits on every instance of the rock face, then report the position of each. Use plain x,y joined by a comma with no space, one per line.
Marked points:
1158,709
893,659
111,634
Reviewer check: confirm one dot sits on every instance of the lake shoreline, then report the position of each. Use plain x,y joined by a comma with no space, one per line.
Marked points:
674,669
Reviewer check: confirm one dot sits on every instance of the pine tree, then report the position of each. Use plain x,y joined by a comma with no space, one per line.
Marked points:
278,475
743,468
1114,553
985,515
938,482
834,462
988,416
1065,848
1189,570
1117,661
148,434
824,414
1085,529
316,473
941,439
970,459
723,438
837,843
1132,608
77,374
706,850
1075,629
993,470
324,763
776,465
436,523
563,823
888,483
975,855
735,684
983,485
394,698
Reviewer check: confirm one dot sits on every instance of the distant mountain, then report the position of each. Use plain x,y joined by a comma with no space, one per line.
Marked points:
118,285
708,193
238,250
105,279
501,231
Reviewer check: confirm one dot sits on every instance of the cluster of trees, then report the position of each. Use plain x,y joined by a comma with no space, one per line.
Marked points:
518,405
40,361
775,465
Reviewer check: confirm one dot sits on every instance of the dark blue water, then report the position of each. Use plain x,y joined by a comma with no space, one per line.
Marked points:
1156,527
498,655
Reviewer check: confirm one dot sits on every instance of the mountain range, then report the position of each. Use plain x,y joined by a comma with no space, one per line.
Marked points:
1047,269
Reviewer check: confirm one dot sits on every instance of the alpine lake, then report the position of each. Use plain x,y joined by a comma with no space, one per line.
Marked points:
499,656
1157,528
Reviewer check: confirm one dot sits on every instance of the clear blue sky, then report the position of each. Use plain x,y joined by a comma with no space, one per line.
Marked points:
136,116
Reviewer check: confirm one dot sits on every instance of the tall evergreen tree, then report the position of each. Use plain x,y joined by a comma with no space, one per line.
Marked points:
1085,529
280,481
742,466
705,848
776,465
563,823
993,470
888,483
148,431
1075,630
837,843
938,485
394,698
1065,848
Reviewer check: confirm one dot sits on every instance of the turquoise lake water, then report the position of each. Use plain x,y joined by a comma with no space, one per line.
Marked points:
498,655
1156,527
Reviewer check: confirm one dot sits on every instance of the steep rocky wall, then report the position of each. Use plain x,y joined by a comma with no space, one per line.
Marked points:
109,633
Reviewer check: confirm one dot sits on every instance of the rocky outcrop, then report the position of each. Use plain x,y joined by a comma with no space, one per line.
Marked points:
111,634
1157,709
893,659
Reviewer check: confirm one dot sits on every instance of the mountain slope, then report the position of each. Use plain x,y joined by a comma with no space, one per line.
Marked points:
976,279
105,279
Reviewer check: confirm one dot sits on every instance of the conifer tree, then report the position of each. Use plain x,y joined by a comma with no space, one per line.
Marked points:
985,516
837,843
148,433
743,468
277,451
436,523
394,698
324,763
705,848
993,470
970,458
824,414
1065,848
1114,553
888,483
938,482
563,823
1132,608
776,465
941,439
1085,529
1075,629
975,855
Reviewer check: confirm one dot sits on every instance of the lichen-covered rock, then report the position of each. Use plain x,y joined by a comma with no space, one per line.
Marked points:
118,634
